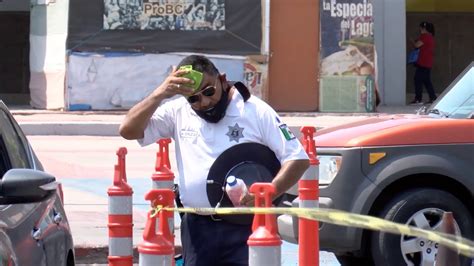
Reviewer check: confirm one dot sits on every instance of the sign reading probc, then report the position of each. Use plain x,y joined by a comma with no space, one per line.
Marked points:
157,9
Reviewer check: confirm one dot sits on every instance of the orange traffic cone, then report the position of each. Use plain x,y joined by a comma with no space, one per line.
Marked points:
446,256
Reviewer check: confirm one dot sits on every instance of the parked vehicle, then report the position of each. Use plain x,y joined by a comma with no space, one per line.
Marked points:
34,229
408,169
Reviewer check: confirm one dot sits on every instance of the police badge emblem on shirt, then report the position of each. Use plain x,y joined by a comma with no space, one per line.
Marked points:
235,133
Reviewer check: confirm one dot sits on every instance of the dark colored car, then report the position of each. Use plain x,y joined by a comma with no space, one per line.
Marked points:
34,229
408,169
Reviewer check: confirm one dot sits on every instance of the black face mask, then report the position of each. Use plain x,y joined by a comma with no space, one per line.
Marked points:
217,112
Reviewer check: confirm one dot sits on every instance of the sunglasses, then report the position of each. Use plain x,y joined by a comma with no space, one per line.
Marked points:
208,92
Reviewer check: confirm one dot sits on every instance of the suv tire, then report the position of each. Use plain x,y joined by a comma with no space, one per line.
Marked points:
419,203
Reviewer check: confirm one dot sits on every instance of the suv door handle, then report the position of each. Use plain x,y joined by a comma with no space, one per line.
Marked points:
57,218
36,234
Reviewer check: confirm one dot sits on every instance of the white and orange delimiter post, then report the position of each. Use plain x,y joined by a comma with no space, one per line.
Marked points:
120,220
308,188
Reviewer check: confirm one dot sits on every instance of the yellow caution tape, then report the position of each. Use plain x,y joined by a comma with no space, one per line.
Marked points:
461,245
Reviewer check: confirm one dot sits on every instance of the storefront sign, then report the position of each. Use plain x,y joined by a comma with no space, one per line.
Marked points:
222,27
169,15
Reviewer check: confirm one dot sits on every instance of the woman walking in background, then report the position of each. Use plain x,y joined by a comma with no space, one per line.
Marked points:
426,44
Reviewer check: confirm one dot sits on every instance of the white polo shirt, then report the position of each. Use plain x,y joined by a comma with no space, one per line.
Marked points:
198,143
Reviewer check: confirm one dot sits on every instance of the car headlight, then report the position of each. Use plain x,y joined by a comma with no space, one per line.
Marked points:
328,168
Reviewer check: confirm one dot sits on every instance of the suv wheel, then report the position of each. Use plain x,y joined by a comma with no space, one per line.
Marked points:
422,208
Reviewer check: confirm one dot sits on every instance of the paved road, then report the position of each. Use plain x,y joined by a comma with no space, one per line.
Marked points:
84,165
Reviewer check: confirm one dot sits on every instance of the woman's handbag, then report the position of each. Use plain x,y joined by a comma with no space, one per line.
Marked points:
413,56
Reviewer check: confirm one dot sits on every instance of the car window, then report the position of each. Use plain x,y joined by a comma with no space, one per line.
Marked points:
458,102
24,142
12,144
4,160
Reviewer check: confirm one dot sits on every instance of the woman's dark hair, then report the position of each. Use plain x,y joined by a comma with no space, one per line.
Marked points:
428,26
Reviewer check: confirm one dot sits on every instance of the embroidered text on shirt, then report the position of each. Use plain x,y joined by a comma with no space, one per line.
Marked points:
188,133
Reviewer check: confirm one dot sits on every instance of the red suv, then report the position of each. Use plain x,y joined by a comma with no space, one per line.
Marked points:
408,169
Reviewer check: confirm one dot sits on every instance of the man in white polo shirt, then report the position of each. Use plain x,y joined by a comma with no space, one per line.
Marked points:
213,116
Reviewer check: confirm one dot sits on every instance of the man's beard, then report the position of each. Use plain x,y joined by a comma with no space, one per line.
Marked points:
217,112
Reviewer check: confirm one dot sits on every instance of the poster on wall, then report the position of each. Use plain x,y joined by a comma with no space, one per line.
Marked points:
255,77
166,26
173,15
347,72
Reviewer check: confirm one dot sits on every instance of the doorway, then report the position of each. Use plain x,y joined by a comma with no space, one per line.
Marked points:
294,55
14,54
454,48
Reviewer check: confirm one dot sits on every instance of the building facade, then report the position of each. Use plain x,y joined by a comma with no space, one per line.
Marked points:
279,55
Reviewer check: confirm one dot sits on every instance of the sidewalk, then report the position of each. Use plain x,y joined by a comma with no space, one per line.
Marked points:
106,123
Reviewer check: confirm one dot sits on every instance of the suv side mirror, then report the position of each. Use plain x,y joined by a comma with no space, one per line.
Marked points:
26,186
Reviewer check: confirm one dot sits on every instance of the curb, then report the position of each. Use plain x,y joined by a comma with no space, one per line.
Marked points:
72,128
76,128
107,123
